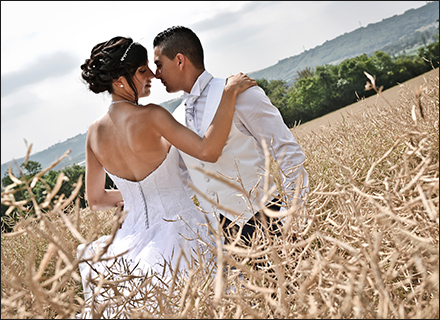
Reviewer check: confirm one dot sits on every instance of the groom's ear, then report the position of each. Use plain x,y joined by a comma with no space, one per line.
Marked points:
181,60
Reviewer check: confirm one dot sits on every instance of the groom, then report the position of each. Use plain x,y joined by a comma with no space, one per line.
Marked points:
178,55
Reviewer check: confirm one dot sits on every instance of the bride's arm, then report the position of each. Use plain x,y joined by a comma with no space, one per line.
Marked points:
98,197
210,147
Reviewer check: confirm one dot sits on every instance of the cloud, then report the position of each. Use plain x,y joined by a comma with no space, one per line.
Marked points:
47,66
228,18
17,107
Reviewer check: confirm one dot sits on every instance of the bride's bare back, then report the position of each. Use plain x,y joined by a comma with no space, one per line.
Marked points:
125,143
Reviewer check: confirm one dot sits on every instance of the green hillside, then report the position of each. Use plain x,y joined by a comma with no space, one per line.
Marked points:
396,35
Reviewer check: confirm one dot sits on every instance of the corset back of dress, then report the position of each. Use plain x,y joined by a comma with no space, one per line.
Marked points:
161,195
162,226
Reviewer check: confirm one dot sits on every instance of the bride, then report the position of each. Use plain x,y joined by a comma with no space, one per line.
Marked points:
136,146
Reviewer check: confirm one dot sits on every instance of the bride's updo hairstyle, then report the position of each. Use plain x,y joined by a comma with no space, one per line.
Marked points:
109,60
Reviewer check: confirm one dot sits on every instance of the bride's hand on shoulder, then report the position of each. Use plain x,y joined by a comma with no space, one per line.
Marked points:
239,82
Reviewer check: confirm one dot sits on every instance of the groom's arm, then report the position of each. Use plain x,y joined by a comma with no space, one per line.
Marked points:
260,118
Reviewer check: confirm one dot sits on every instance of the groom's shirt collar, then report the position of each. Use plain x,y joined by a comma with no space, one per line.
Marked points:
200,84
198,96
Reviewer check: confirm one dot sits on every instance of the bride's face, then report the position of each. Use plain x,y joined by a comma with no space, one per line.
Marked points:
142,80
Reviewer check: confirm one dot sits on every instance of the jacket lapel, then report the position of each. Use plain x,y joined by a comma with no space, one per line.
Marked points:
179,113
212,102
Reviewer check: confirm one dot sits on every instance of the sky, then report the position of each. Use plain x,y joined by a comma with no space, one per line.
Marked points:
43,43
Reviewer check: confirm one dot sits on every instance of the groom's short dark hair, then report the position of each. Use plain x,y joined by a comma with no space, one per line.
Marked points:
182,40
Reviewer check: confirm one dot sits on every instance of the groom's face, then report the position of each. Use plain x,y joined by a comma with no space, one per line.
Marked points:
167,70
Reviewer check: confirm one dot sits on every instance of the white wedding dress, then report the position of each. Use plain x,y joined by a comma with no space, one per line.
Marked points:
161,221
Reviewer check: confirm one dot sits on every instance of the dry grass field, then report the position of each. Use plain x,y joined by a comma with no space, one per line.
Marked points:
365,244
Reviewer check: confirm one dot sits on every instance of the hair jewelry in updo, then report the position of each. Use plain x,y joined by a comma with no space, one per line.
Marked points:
109,60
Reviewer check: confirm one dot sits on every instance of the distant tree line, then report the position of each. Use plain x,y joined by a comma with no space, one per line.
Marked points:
41,189
403,46
314,94
330,87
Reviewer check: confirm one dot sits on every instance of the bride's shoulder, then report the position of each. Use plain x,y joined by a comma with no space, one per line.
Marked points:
154,106
149,114
155,109
100,122
94,125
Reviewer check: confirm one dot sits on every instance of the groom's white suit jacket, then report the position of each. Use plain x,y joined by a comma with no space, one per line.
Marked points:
242,162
